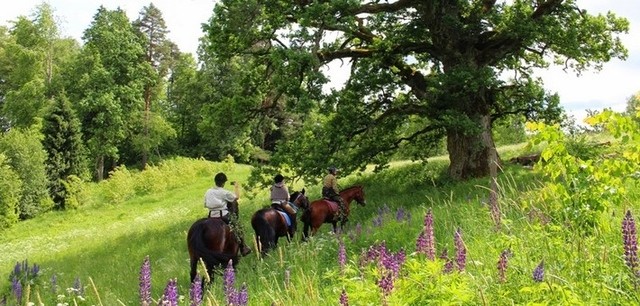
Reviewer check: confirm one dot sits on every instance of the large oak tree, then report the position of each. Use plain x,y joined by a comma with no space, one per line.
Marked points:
419,70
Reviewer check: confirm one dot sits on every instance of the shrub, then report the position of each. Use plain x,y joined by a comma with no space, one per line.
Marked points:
26,156
10,190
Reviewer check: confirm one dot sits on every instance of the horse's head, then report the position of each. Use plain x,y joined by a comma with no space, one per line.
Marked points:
300,199
359,196
354,193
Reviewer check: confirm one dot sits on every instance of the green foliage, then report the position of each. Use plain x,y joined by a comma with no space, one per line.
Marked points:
509,131
451,86
26,156
585,183
10,190
124,184
76,193
64,148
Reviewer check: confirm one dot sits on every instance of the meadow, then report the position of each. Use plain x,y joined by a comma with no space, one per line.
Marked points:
422,239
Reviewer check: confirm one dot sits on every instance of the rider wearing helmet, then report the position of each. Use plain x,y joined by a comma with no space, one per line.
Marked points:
330,191
224,205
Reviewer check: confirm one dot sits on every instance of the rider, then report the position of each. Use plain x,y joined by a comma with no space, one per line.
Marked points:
218,200
330,191
280,198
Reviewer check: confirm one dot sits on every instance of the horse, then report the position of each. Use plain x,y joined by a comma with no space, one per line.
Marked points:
269,224
321,211
212,240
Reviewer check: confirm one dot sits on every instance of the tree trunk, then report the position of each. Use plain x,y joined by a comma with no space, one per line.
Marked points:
469,154
147,110
100,169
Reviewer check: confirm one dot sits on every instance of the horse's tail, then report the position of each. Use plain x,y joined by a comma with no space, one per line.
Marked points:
265,233
199,248
306,220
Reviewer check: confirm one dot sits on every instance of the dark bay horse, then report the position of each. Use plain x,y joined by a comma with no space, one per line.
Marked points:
212,240
269,224
320,211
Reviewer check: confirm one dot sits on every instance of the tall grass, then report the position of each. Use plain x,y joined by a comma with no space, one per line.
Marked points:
106,241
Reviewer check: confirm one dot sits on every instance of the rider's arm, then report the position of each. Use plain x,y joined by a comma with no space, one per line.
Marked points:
236,190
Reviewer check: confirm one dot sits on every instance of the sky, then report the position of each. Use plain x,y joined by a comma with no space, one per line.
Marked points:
594,90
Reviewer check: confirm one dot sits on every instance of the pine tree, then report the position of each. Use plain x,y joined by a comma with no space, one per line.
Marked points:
63,143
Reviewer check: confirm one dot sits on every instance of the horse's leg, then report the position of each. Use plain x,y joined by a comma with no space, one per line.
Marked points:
194,268
335,227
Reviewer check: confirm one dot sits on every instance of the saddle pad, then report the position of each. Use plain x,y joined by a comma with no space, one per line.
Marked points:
287,220
333,206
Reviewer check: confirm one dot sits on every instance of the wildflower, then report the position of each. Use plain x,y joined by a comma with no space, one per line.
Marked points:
344,299
377,222
386,283
54,283
242,297
170,295
342,256
77,287
630,241
448,266
502,265
195,292
16,289
538,272
400,214
430,242
461,250
145,282
229,280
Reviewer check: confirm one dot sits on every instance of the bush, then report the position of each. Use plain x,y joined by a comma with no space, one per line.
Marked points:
10,190
27,157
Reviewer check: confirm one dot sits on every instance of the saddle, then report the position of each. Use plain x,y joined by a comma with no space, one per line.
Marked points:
333,205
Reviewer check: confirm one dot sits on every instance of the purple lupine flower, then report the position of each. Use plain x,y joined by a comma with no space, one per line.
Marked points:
54,283
386,283
170,295
538,272
430,241
229,280
461,250
16,269
344,299
630,241
242,297
16,289
35,270
377,222
342,256
448,266
502,265
287,278
421,243
145,282
195,292
400,214
77,287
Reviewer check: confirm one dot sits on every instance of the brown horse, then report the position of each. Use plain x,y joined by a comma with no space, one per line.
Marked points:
212,240
269,224
320,211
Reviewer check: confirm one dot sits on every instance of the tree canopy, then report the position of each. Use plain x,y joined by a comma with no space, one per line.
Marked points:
419,71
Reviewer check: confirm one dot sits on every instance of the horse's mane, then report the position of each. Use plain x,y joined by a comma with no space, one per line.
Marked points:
352,187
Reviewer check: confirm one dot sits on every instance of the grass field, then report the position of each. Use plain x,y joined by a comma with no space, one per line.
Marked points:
102,246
